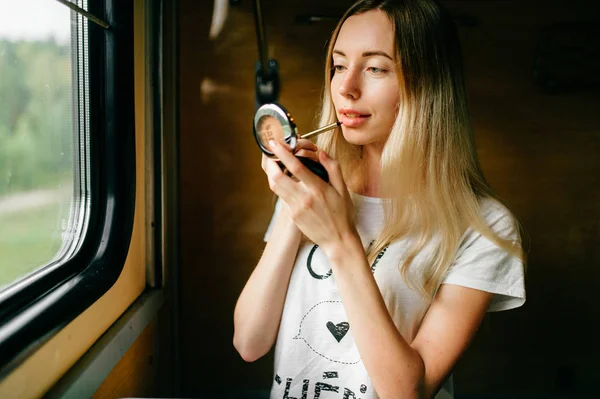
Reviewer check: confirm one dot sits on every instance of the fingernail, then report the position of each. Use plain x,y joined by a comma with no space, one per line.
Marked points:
272,143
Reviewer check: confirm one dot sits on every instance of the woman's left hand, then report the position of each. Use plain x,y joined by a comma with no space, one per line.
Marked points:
323,212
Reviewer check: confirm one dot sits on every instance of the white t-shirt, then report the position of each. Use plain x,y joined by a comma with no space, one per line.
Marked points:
315,353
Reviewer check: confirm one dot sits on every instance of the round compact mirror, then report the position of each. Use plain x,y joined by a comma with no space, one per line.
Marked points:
273,122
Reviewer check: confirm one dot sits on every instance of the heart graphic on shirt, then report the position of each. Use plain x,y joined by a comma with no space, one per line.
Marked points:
338,330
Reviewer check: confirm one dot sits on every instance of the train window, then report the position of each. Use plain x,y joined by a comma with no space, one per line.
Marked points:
43,123
67,163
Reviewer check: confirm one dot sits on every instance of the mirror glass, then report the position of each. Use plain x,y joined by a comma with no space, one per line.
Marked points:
273,122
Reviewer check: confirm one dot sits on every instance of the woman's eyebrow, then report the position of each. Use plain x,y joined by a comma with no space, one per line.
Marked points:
367,54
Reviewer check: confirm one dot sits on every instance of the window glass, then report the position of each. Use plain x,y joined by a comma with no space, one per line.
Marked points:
42,116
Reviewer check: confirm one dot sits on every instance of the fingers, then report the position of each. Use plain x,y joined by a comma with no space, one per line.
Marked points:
307,149
306,144
308,154
279,181
336,178
294,165
304,148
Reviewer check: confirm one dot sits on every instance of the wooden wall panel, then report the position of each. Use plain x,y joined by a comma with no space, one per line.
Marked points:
539,151
147,368
135,374
542,154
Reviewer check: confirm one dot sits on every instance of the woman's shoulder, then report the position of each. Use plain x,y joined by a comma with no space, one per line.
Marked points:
496,214
490,207
481,263
496,217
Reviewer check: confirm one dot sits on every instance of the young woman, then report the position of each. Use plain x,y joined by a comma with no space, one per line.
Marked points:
373,285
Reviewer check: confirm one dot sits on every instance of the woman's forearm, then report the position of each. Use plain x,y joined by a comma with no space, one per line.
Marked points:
395,368
260,305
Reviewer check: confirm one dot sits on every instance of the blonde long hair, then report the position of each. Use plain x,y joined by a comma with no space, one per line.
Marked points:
431,180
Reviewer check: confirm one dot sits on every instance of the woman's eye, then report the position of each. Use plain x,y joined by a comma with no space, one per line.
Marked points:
376,71
338,68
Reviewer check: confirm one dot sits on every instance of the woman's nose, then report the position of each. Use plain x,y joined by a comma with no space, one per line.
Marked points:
350,85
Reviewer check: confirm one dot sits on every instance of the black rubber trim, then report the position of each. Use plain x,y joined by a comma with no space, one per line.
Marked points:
29,317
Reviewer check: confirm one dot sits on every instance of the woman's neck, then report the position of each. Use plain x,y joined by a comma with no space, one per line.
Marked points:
371,175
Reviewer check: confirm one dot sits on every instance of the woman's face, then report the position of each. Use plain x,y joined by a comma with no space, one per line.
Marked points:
269,128
364,87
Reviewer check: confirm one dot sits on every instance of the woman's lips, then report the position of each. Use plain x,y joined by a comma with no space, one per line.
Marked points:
353,120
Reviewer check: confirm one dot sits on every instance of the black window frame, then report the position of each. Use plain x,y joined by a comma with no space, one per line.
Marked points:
43,305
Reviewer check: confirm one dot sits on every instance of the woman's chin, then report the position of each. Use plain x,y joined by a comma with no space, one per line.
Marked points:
355,137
